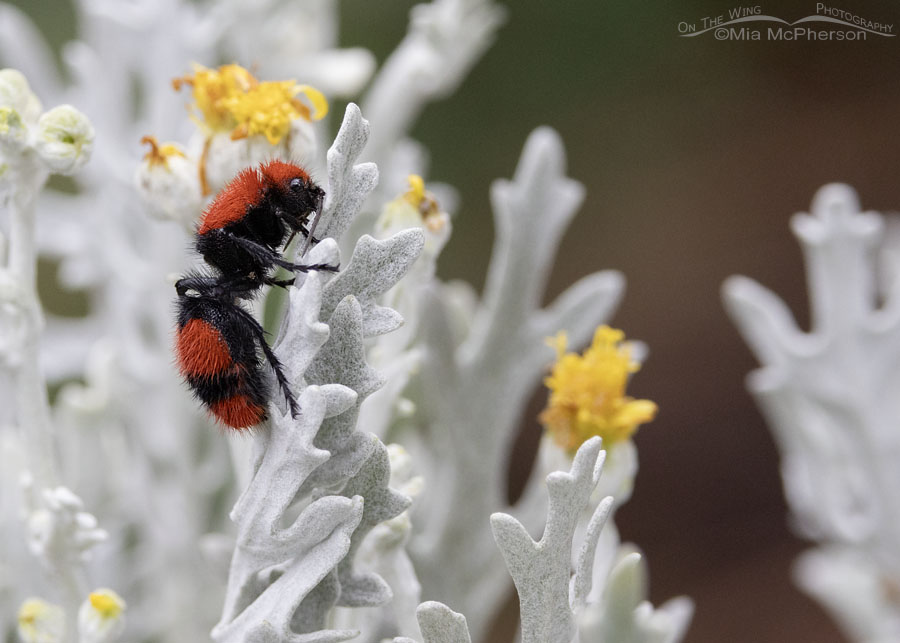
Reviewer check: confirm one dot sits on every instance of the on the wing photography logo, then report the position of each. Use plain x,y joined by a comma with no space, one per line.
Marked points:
750,23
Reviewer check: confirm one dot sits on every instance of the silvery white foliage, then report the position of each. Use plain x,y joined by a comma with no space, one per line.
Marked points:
828,396
612,602
397,215
398,354
274,568
540,570
284,581
365,589
302,334
467,433
157,467
60,532
847,582
556,603
439,624
100,242
623,614
619,469
373,269
287,38
132,416
603,601
311,576
445,39
61,535
384,552
349,183
11,569
33,144
355,456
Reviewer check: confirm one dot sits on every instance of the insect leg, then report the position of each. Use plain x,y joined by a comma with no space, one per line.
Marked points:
272,358
281,283
265,255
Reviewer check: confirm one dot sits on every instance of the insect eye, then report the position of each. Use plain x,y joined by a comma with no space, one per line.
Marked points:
296,184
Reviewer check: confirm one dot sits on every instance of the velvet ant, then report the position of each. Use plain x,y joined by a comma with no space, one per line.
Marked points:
241,236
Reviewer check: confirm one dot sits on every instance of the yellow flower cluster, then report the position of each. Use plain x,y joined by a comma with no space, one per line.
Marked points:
587,393
231,99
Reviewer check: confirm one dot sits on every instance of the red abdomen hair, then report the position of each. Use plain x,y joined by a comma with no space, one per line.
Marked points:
201,350
209,368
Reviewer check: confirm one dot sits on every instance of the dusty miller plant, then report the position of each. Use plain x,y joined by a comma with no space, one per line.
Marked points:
829,397
334,535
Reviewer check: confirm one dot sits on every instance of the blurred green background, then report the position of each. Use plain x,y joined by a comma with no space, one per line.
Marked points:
695,153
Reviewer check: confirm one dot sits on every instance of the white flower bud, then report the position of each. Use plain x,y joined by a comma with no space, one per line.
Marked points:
17,95
13,132
65,139
59,529
41,622
101,618
226,157
402,472
301,143
416,209
168,183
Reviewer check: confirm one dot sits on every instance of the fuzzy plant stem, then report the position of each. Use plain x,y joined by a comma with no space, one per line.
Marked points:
31,393
445,39
32,405
472,433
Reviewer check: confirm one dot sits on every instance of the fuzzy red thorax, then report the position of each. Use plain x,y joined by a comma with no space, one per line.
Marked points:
232,203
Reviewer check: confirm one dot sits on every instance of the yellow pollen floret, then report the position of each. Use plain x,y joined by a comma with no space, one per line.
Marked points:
421,200
266,109
210,88
416,191
587,393
231,99
107,603
160,154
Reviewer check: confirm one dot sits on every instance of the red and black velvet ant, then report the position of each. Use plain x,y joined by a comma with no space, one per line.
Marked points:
241,236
